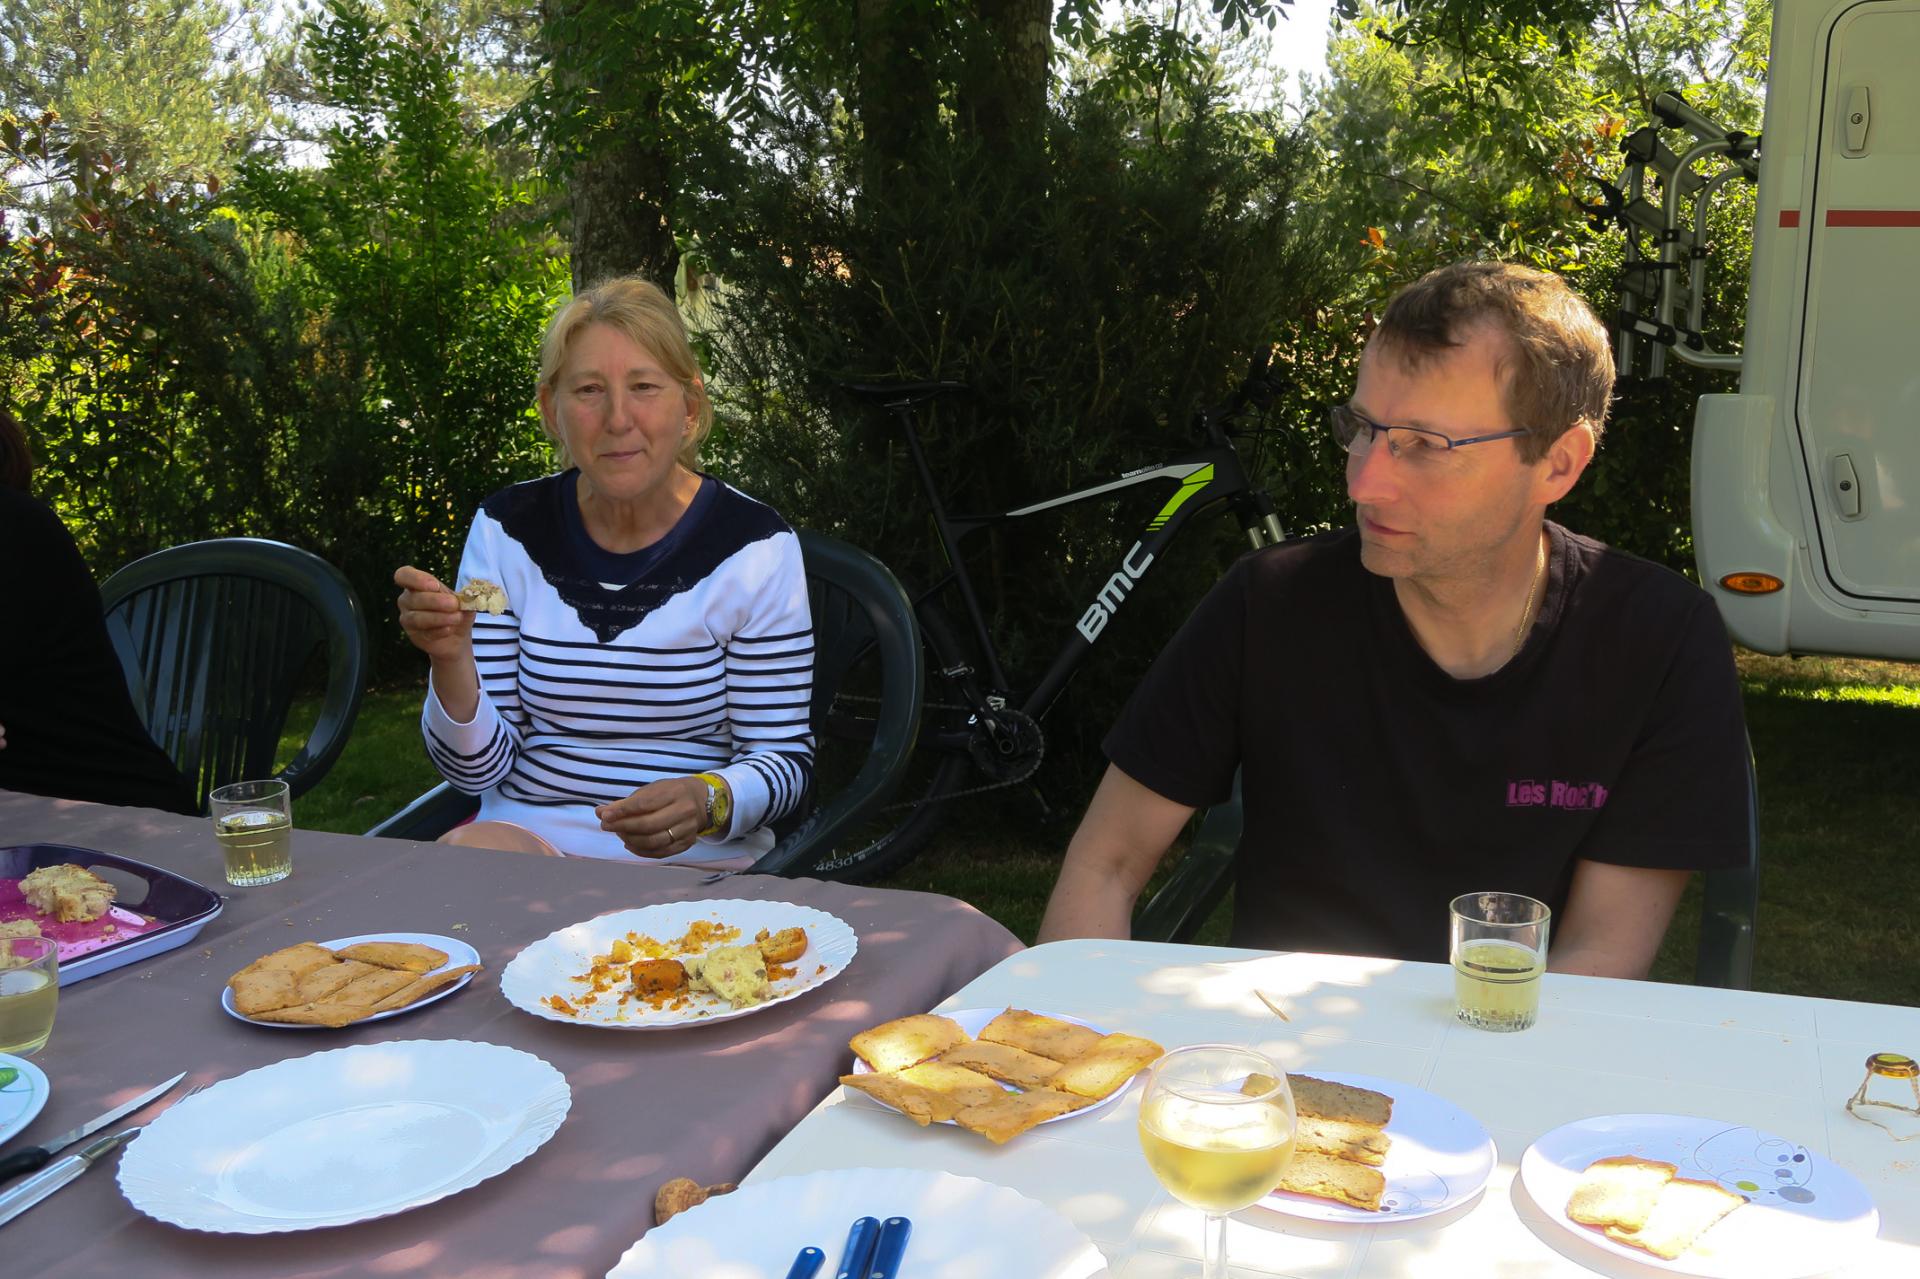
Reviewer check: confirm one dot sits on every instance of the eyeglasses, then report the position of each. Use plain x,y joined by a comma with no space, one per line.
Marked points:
1355,433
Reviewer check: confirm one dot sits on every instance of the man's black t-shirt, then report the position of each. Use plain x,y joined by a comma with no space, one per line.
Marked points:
1377,787
71,728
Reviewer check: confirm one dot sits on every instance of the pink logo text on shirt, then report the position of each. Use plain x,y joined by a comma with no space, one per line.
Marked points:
1580,796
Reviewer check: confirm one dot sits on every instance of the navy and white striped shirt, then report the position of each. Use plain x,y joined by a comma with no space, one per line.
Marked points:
609,671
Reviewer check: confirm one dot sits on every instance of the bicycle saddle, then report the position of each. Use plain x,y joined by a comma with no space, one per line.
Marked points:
900,393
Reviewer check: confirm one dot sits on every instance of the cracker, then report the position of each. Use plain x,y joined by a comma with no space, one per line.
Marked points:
263,991
1323,1177
318,983
331,1014
967,1087
922,1105
1012,1113
410,956
1037,1033
1007,1064
1324,1099
295,959
372,987
1106,1069
907,1041
420,987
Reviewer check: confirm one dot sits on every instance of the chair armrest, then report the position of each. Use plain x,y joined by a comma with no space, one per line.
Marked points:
430,816
1200,882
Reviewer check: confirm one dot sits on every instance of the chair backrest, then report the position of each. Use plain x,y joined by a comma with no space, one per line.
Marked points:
861,616
1729,899
213,636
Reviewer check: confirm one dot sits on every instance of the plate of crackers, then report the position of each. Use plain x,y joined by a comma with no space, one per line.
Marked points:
1368,1149
995,1071
1700,1197
327,985
679,964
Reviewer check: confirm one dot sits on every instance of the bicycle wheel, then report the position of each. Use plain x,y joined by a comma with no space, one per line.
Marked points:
897,832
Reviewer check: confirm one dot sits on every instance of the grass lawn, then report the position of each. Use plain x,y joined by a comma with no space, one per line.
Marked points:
1838,749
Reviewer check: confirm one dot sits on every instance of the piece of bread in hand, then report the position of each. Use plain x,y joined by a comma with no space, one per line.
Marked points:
907,1041
1684,1211
1324,1177
1618,1191
482,596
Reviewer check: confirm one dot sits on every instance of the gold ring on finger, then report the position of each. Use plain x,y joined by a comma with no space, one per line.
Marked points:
671,837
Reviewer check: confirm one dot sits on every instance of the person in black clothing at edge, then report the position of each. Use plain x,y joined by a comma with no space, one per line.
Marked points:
67,724
1454,695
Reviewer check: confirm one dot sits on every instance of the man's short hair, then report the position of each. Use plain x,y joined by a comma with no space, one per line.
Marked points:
1558,367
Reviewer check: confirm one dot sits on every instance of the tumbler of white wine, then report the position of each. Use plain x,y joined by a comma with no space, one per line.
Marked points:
1213,1143
1499,951
29,993
254,823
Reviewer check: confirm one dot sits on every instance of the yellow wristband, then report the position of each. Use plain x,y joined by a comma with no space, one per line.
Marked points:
719,802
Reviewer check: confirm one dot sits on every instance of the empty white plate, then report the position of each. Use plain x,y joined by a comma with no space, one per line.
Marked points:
343,1136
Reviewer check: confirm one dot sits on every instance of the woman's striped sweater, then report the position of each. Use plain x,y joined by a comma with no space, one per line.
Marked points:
611,671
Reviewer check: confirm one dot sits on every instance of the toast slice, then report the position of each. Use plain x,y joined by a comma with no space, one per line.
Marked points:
907,1041
1619,1191
1007,1064
1106,1069
1685,1210
1324,1177
1039,1034
1324,1099
1358,1143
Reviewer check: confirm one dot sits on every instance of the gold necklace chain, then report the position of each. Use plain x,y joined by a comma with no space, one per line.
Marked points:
1526,614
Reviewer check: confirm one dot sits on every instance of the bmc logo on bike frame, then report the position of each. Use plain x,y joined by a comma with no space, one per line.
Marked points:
1108,602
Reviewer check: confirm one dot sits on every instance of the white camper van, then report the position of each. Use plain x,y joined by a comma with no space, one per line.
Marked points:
1806,482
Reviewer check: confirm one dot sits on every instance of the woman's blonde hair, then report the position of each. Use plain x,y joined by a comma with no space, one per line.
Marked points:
639,309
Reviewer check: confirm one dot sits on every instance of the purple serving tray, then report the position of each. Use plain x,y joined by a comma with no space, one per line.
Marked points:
182,906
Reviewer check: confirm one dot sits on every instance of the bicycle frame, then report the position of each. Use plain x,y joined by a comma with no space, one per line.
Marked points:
1206,477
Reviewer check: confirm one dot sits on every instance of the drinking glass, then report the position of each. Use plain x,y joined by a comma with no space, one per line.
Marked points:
1217,1126
254,823
29,992
1499,951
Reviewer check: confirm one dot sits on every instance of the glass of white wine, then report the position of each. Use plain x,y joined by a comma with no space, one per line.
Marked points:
1217,1126
254,823
29,993
1499,950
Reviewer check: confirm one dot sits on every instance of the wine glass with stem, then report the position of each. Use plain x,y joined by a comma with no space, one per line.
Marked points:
1217,1125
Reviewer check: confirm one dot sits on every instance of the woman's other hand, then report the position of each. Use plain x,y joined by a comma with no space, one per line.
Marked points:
440,628
660,819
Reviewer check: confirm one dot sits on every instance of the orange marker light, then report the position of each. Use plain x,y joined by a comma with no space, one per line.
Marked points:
1752,583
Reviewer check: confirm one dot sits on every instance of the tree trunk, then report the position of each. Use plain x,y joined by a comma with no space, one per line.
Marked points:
896,90
620,179
1009,95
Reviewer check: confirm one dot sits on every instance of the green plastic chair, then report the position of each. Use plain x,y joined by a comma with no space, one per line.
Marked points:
1198,885
863,623
213,637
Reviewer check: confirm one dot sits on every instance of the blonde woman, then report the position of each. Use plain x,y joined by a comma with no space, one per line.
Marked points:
645,692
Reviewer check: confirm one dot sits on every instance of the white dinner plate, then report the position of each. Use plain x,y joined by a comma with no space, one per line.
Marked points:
343,1136
459,954
550,966
23,1091
1439,1157
1804,1214
963,1228
973,1021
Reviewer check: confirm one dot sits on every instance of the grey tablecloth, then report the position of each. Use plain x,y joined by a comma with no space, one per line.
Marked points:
704,1102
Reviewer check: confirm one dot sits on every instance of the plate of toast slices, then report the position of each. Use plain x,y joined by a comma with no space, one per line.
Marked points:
1700,1196
327,985
1368,1149
995,1071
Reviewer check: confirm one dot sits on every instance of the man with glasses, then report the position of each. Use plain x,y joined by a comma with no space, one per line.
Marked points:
1452,695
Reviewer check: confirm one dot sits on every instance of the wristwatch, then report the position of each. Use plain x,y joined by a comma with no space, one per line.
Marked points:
719,803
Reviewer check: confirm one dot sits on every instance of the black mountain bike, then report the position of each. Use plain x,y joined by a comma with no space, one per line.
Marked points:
977,732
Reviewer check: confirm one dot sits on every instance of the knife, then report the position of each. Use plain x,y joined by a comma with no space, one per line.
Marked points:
858,1254
34,1158
807,1263
894,1233
47,1180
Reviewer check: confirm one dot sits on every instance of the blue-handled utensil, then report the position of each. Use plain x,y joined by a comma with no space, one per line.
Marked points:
894,1233
807,1264
858,1256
